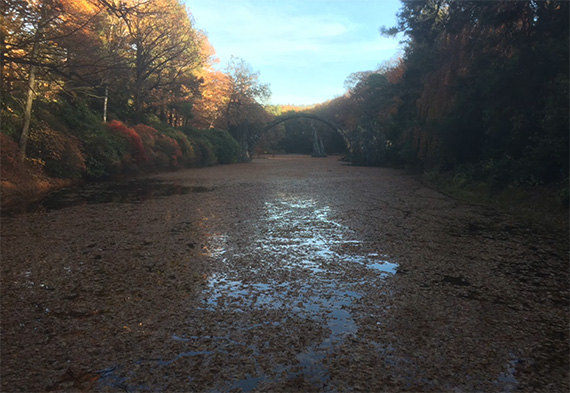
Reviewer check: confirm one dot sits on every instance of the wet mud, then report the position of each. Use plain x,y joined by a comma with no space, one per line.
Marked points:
291,274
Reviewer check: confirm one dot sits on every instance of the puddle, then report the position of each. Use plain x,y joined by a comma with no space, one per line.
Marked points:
248,384
507,379
112,378
384,267
133,191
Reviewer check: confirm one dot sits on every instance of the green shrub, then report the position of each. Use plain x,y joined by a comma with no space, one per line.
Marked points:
162,161
205,155
188,157
9,153
10,125
226,149
104,151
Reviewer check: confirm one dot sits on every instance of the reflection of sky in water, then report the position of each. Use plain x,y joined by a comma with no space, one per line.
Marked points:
297,237
217,246
306,265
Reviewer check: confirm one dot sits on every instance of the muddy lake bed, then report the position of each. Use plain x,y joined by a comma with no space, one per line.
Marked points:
290,273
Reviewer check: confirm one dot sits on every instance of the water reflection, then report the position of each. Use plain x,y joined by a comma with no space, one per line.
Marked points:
309,267
507,379
279,306
131,191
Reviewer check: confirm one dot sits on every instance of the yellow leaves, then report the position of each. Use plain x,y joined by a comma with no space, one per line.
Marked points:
206,49
215,95
81,7
36,162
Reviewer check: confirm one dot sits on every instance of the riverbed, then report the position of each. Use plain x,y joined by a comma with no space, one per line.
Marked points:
289,273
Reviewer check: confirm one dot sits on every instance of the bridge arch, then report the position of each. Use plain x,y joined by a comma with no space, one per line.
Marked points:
283,118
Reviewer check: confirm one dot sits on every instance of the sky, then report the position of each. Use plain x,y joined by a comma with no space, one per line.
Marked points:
304,49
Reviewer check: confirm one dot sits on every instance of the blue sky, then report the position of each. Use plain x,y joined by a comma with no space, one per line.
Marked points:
304,49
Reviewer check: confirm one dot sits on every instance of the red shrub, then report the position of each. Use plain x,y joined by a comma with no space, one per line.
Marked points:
134,139
147,134
170,147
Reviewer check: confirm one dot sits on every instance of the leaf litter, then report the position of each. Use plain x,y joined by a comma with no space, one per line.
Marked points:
290,274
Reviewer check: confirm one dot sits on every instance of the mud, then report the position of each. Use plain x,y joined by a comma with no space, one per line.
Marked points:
286,274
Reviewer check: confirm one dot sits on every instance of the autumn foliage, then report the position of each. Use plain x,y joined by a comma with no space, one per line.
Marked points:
136,148
8,156
95,89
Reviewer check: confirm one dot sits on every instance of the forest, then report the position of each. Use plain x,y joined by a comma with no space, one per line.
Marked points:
95,89
480,94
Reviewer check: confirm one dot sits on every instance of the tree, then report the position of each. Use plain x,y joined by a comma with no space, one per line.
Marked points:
165,48
244,112
211,107
33,36
245,93
479,88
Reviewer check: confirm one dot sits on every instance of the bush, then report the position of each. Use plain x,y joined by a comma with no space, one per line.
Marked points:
147,133
9,153
169,148
188,158
148,136
104,151
10,124
60,154
134,140
205,155
225,148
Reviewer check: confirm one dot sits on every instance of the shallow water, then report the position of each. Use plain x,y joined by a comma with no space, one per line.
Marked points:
298,235
133,191
304,271
286,275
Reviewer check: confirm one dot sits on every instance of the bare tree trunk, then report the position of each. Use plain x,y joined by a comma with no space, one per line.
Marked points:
106,100
38,36
29,101
2,87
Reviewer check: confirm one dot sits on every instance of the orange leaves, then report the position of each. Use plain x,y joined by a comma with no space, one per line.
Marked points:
206,49
80,8
135,142
215,96
395,74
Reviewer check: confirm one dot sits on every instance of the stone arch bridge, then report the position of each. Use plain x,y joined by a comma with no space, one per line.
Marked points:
252,138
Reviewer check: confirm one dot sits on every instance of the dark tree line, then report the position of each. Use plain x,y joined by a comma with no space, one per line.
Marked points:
482,89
